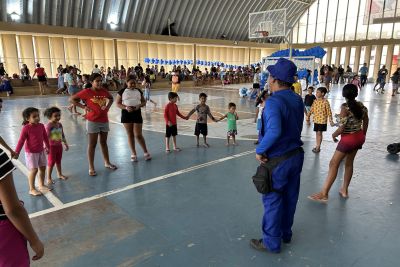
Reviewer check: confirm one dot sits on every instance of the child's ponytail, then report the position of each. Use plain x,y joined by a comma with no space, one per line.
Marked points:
350,92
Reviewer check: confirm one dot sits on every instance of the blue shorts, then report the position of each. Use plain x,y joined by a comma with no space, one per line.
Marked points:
258,124
72,89
147,94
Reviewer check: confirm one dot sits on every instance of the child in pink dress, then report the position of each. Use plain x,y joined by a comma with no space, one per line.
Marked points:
356,82
33,136
56,138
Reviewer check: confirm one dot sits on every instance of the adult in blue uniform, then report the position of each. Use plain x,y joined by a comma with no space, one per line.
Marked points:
282,125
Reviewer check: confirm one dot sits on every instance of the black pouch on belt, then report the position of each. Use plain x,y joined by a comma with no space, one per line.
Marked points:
263,178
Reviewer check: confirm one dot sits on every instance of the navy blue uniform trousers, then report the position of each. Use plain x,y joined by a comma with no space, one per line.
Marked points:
279,208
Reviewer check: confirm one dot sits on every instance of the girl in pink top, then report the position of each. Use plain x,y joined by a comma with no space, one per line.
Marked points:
56,137
356,82
33,136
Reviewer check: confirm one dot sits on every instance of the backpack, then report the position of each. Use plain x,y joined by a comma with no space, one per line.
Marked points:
175,79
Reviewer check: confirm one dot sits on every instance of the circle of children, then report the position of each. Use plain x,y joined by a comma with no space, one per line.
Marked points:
95,100
44,144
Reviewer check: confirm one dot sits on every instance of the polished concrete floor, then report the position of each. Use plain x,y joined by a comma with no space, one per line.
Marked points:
198,207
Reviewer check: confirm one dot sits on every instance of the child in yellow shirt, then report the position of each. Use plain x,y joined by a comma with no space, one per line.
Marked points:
321,111
297,86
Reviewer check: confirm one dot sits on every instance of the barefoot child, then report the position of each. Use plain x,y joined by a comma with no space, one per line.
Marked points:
56,138
232,117
33,136
203,111
170,112
321,111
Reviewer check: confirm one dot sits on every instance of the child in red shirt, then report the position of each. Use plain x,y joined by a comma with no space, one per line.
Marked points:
170,112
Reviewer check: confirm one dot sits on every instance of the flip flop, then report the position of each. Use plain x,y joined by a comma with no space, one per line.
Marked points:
177,149
167,151
315,150
63,177
147,156
321,200
92,173
134,158
343,196
111,167
35,193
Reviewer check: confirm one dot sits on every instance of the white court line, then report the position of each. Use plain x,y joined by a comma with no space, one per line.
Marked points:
55,201
149,181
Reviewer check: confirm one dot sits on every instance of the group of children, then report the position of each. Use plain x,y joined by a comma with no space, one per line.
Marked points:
203,112
39,140
44,144
49,139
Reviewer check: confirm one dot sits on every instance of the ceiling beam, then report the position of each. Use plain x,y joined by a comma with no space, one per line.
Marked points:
185,9
105,14
193,28
158,13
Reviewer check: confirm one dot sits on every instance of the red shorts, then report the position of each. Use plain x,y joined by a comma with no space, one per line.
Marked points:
351,142
13,250
55,155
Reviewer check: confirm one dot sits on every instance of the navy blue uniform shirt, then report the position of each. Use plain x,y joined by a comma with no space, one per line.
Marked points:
282,117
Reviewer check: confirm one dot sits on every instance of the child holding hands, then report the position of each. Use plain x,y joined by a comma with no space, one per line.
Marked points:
232,117
171,128
55,133
33,136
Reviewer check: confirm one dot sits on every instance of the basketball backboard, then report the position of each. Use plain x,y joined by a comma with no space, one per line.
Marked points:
271,23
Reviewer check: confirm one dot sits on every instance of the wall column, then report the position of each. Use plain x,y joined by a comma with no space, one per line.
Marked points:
194,55
116,53
378,56
357,59
367,58
328,56
10,53
347,56
389,60
338,54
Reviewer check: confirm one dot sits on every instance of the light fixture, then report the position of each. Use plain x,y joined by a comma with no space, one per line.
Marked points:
15,16
113,25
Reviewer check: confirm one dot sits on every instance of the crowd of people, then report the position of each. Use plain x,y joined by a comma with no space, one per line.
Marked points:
114,78
330,74
280,116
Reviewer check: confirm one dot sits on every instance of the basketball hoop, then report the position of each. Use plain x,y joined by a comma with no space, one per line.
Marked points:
267,24
263,33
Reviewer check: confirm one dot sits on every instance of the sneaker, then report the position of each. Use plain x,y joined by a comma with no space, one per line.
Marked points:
258,245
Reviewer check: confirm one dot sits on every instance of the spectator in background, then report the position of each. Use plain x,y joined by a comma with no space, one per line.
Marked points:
2,70
25,73
341,73
5,85
42,78
96,69
364,74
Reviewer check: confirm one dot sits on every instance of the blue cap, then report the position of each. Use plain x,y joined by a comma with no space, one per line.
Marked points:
283,70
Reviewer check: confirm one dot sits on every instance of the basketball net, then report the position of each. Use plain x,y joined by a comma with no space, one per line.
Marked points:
263,33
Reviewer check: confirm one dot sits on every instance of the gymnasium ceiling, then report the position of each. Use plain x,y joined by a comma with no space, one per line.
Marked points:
193,18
